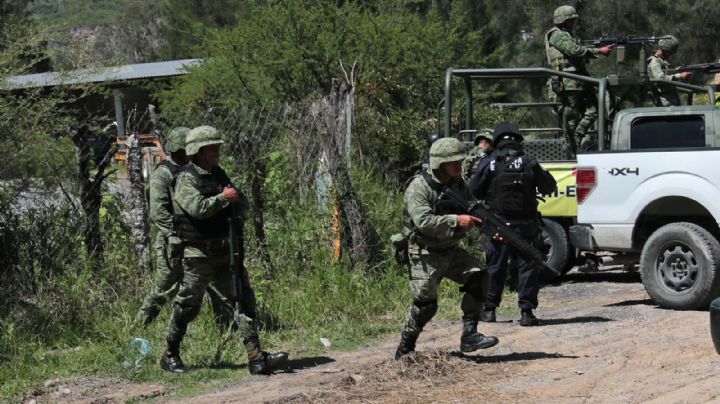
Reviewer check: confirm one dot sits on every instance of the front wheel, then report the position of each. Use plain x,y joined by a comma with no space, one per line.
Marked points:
680,266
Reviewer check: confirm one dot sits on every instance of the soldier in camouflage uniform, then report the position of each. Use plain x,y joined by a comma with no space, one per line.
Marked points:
657,67
167,244
169,247
483,147
202,198
564,53
434,250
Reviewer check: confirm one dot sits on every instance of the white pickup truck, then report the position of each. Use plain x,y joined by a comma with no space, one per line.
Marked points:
650,195
656,192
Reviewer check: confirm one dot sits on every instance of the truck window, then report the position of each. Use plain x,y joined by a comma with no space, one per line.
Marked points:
662,132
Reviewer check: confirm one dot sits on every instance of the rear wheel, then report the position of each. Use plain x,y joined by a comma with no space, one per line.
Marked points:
557,248
680,266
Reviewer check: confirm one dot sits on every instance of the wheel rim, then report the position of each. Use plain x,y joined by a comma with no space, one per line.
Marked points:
677,267
547,244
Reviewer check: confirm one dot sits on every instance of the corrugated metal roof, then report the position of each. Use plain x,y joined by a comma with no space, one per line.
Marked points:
101,74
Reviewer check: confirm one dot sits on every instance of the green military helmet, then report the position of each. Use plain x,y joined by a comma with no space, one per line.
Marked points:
445,150
669,44
201,136
485,134
176,139
564,13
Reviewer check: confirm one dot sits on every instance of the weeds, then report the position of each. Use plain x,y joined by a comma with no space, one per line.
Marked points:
74,323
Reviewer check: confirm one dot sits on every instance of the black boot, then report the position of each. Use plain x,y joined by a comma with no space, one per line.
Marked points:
268,363
261,362
528,319
471,340
170,361
488,315
407,344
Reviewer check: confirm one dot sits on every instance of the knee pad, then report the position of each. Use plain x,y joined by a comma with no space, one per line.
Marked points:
477,286
422,312
183,315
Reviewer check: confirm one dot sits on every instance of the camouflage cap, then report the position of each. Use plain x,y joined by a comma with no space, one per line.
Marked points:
445,150
669,44
485,134
564,13
175,140
201,136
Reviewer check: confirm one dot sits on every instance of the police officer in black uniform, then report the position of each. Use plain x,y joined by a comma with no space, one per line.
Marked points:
509,183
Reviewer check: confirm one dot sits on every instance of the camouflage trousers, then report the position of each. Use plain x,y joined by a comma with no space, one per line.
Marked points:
579,109
199,274
168,275
428,268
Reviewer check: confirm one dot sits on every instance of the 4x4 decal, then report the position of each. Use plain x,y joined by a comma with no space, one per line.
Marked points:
624,171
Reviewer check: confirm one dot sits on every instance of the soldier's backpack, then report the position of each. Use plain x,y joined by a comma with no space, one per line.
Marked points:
512,192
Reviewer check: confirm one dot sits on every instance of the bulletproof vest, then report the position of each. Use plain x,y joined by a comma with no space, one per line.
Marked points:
664,63
660,88
174,169
212,228
439,207
512,191
556,59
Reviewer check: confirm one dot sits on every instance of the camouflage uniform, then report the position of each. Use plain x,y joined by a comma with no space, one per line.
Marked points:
579,102
434,252
168,246
206,261
475,155
201,220
657,68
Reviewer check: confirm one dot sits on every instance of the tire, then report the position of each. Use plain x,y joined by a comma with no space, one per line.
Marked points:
557,248
680,266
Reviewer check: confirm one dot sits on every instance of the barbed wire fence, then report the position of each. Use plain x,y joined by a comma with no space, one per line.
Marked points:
88,216
313,135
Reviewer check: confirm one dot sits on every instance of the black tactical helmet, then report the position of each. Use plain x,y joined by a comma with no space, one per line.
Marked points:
506,131
432,138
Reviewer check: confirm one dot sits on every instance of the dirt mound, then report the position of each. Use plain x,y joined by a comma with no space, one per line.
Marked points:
418,376
433,365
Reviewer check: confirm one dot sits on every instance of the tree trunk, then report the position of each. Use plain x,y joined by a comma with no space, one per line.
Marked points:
90,198
137,206
332,119
257,176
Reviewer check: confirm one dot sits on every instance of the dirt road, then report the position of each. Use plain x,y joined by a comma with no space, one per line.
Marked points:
602,341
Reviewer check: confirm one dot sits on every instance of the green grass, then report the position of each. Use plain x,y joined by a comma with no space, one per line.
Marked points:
66,325
349,309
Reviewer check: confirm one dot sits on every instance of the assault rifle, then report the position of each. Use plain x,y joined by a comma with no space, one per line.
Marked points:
492,225
237,257
623,42
698,70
